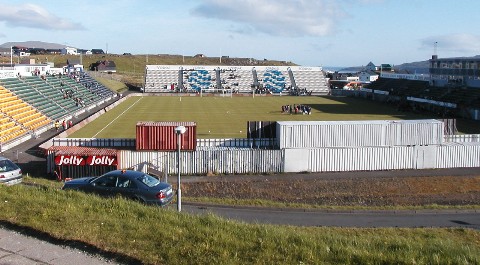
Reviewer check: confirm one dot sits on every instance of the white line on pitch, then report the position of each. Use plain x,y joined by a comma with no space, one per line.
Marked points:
117,117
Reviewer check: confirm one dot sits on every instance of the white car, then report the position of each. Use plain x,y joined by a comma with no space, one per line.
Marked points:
10,173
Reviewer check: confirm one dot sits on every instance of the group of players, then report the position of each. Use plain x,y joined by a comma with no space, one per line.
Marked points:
296,109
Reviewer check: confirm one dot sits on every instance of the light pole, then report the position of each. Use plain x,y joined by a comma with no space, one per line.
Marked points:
179,130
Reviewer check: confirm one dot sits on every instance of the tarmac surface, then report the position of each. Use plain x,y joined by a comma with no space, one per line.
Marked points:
17,248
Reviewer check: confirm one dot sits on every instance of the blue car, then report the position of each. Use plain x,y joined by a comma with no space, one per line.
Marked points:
127,183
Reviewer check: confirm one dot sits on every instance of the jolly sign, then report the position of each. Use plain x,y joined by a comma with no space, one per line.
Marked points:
73,160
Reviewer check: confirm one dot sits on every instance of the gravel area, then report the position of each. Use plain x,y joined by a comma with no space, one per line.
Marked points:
379,188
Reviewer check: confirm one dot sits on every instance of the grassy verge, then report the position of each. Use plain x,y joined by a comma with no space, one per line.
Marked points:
112,84
161,236
42,182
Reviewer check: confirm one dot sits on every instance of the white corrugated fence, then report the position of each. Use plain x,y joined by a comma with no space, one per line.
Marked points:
202,161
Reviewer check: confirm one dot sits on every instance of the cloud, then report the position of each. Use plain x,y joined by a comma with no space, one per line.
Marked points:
276,17
2,35
34,16
463,43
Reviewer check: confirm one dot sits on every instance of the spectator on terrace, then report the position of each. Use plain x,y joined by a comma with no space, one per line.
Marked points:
57,125
64,124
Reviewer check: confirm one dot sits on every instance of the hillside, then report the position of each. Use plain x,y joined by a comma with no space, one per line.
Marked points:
130,68
414,67
33,44
420,67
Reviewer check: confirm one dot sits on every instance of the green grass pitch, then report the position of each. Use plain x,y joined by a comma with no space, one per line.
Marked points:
226,117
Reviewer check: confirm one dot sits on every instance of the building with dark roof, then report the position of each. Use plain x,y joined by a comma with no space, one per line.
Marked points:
97,51
384,67
104,66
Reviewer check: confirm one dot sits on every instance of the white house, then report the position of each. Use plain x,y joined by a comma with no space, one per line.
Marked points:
31,69
69,51
367,76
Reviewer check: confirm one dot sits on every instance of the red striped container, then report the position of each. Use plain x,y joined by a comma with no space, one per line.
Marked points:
161,136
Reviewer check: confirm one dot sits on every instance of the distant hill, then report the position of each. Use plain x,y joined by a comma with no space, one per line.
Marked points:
414,67
33,44
420,67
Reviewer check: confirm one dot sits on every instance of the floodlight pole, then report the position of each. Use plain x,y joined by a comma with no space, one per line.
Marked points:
179,131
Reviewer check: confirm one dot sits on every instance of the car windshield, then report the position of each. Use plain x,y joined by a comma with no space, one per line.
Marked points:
149,180
7,165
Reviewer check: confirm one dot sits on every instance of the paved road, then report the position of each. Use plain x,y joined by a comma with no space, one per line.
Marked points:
465,218
16,248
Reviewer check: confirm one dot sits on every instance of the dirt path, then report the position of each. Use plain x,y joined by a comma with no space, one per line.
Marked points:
379,188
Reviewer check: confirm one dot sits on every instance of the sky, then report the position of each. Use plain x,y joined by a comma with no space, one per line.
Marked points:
305,32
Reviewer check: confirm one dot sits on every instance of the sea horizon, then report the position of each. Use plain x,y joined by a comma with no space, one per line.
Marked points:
333,68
